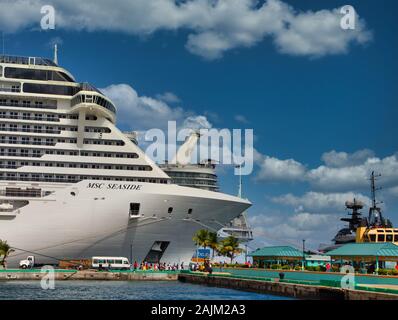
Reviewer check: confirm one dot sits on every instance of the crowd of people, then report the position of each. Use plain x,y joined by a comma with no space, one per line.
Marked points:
146,266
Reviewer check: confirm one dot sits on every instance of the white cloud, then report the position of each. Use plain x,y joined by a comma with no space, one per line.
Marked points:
343,171
168,97
197,122
316,34
319,202
273,169
242,119
142,113
343,159
291,229
355,176
214,26
305,221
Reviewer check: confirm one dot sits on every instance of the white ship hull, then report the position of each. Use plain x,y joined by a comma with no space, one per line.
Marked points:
97,222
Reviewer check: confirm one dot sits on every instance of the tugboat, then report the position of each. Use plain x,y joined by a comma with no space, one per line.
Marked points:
374,228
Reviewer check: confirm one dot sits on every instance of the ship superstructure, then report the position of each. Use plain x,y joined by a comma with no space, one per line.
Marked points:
72,185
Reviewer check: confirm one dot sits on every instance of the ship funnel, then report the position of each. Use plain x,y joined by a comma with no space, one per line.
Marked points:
184,153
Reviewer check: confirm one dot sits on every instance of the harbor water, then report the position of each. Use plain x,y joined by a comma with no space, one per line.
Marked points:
122,290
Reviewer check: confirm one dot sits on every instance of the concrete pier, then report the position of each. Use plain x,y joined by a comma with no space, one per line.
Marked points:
9,275
300,291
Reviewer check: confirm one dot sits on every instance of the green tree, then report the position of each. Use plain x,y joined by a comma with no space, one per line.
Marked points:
212,242
201,238
5,251
229,247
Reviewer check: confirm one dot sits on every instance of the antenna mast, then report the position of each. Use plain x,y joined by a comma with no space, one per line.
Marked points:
55,53
375,216
373,178
240,181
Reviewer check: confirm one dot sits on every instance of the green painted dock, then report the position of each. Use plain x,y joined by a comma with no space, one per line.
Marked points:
298,284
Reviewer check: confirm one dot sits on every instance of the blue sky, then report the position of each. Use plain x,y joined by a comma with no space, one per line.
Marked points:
337,95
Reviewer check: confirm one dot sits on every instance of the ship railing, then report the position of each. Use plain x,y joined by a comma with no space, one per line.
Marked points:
27,60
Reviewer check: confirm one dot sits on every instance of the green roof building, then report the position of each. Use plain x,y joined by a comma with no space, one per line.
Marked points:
366,252
280,254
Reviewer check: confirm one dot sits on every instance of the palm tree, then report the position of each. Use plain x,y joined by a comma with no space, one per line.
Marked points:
5,251
201,238
229,247
212,242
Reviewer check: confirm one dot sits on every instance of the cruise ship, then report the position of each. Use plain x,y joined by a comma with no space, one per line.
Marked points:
73,186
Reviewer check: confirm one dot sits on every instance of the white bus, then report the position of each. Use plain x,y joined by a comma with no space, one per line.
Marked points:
117,263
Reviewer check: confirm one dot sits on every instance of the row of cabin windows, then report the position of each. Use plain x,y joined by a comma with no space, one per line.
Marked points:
50,89
194,182
35,141
191,175
383,238
15,102
28,116
18,164
40,152
48,129
41,116
35,74
49,177
10,87
53,141
104,142
135,209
